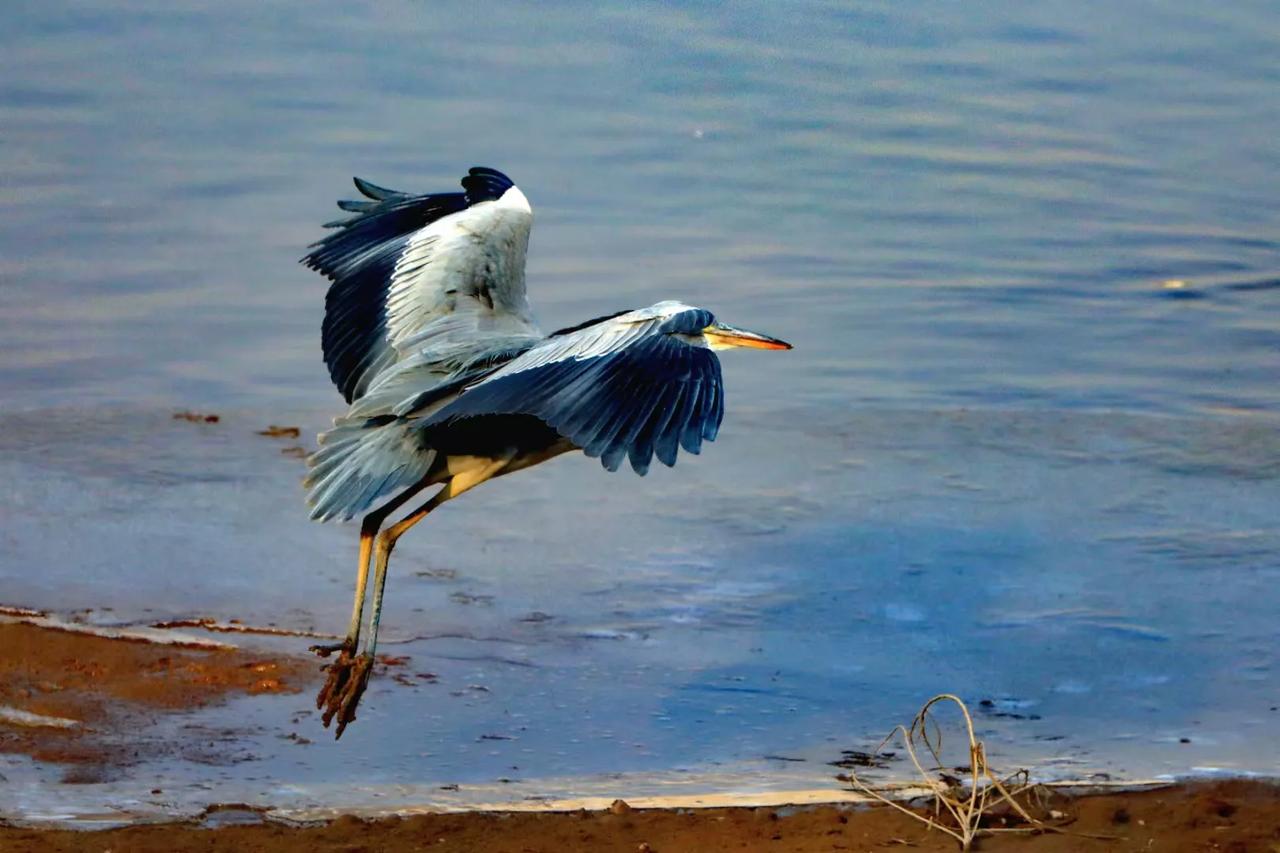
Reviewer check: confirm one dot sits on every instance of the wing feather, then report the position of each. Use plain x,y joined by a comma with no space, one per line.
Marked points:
645,442
443,272
659,405
667,445
371,190
715,414
587,419
615,422
691,435
639,391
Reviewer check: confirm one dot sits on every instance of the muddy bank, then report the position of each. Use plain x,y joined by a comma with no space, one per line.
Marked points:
1228,816
84,700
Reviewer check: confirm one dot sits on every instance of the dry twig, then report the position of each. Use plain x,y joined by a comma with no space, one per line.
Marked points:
958,805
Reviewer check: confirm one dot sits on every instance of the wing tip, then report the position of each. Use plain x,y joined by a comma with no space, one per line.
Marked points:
368,189
485,184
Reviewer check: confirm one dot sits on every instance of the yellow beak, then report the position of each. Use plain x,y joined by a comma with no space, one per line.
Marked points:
724,336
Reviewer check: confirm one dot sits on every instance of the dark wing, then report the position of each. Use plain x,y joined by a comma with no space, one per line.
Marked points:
616,392
442,273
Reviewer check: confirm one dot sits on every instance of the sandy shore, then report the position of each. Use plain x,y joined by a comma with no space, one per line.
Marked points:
1225,816
74,699
83,699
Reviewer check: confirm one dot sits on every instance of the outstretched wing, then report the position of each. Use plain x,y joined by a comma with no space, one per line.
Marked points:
439,277
621,388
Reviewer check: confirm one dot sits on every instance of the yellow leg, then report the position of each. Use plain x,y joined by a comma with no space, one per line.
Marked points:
386,541
368,532
349,676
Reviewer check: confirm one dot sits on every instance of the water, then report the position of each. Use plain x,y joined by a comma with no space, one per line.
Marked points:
1025,449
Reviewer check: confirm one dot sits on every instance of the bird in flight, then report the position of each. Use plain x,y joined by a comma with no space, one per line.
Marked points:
428,335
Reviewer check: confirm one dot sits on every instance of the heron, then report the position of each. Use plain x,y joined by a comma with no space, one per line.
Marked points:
449,382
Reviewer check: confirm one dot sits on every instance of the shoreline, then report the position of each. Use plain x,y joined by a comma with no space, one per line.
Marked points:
79,699
1235,814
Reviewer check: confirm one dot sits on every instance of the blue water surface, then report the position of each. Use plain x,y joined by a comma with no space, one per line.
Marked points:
1025,449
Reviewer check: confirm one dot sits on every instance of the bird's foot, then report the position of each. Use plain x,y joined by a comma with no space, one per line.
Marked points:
348,677
326,649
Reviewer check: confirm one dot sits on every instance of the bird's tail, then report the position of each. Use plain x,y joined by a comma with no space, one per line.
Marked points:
359,462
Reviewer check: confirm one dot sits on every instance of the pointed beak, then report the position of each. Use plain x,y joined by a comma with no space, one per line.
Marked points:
724,336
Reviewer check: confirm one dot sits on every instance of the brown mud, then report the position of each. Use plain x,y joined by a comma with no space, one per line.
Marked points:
84,700
1236,816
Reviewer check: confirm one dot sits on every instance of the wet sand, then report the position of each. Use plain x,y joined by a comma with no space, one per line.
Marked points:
1227,816
81,700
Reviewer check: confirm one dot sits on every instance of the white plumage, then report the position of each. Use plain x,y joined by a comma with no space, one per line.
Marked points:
430,338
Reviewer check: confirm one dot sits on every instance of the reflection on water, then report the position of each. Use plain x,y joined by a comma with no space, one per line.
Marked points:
1025,449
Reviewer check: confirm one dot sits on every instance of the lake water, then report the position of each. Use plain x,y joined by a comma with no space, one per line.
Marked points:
1026,449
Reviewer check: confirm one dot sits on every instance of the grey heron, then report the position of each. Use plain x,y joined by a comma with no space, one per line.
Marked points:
429,337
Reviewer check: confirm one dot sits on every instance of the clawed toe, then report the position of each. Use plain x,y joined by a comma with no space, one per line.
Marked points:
348,678
326,649
339,671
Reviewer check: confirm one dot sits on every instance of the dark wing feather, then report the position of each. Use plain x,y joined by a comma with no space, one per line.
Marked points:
375,192
633,402
484,184
360,257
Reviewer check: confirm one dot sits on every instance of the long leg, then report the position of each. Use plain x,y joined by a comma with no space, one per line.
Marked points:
342,703
340,671
368,531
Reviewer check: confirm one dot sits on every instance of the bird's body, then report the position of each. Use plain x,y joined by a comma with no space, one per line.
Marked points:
429,337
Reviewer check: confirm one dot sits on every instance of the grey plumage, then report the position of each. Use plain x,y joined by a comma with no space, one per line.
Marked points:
625,387
429,337
427,325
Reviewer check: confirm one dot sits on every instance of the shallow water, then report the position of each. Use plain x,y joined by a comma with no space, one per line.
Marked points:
1025,450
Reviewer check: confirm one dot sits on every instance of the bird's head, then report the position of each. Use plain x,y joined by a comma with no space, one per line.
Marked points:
699,327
